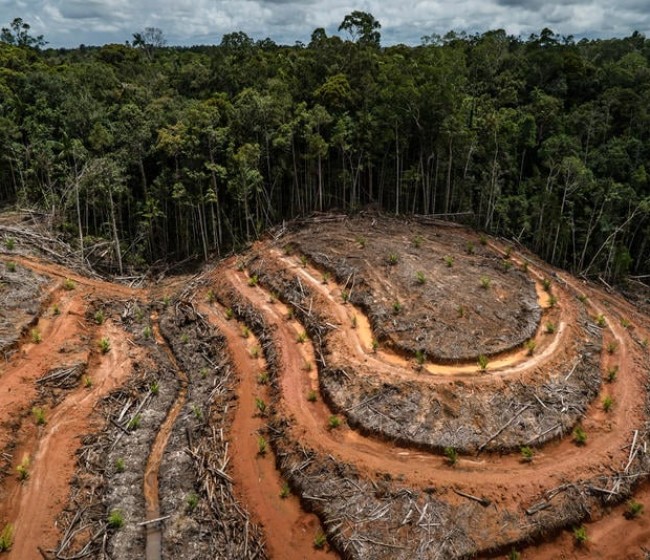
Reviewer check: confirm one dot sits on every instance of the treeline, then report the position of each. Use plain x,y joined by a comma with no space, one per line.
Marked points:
167,152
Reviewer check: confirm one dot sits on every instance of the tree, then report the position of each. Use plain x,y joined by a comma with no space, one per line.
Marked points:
363,28
19,35
149,40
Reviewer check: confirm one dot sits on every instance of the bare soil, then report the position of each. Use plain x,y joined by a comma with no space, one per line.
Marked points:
281,405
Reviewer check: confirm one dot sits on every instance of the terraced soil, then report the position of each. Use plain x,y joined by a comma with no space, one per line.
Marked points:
352,387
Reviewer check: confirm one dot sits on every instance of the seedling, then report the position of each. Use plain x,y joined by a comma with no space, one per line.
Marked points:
397,307
198,413
134,423
550,328
485,282
514,555
552,300
245,332
625,323
375,345
253,280
580,535
420,278
600,320
290,313
11,266
104,345
582,298
99,317
203,372
524,267
530,346
210,296
240,266
261,445
611,347
354,322
319,540
634,509
23,469
546,284
285,492
6,537
263,378
482,240
469,248
482,362
527,454
345,295
361,241
229,313
608,403
417,241
39,416
119,465
115,519
333,422
192,501
612,372
147,332
302,337
460,310
154,388
326,277
36,336
420,357
303,260
307,366
261,406
288,249
255,352
311,396
579,436
393,259
68,284
449,261
452,455
166,301
508,252
87,382
10,244
55,310
507,265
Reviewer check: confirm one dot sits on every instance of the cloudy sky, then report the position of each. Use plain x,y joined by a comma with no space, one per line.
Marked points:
69,23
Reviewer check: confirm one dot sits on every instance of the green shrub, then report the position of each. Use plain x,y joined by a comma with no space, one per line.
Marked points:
333,422
260,405
392,259
449,261
608,403
229,313
104,345
10,244
311,396
417,241
68,284
39,416
485,282
579,436
580,535
527,454
397,307
263,378
600,320
530,346
550,327
192,501
302,337
99,317
319,540
115,519
11,266
612,372
261,445
36,336
253,280
451,454
634,509
482,362
420,278
134,423
119,465
6,537
23,469
285,492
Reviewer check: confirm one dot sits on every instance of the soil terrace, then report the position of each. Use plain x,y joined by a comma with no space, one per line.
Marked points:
355,387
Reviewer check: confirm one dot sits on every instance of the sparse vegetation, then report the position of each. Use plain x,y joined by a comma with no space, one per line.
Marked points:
87,382
420,278
320,540
417,241
255,352
210,297
245,332
285,491
612,372
36,336
485,282
546,284
39,416
625,323
253,280
23,469
469,248
192,501
579,436
115,519
608,403
56,311
104,345
261,445
333,422
600,320
119,465
611,347
451,455
99,317
449,261
147,332
6,537
552,300
482,362
580,535
229,313
527,454
301,338
311,396
345,295
530,345
550,327
69,284
11,266
326,277
134,423
397,307
392,259
260,405
10,244
634,509
263,378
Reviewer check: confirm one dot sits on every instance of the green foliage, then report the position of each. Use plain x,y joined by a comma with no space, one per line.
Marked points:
87,382
285,491
546,284
420,278
245,332
263,378
579,436
312,396
333,422
482,362
23,469
56,311
417,241
39,416
301,338
449,261
135,422
253,280
612,372
6,537
397,307
260,405
580,535
192,501
147,333
608,403
99,317
261,445
11,266
485,282
611,347
10,244
550,327
392,259
634,509
451,455
229,313
601,321
527,454
469,248
320,540
104,345
69,284
115,519
36,336
530,345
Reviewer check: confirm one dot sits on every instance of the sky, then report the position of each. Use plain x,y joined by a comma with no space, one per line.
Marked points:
69,23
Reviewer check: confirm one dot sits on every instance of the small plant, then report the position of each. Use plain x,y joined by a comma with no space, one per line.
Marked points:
600,320
469,248
354,322
612,372
99,317
166,301
460,311
420,357
326,277
514,555
119,465
333,422
261,445
420,278
451,455
508,252
634,509
255,352
36,336
546,284
301,338
197,411
23,469
552,300
229,313
580,535
507,265
11,266
417,241
185,338
68,284
392,259
203,372
582,298
288,249
104,345
10,244
115,519
192,502
263,378
134,423
345,296
611,347
240,266
260,405
530,346
285,492
397,307
253,280
311,396
361,241
307,366
303,260
625,323
155,388
483,240
449,261
527,454
319,540
210,297
608,403
579,436
375,345
290,313
524,267
39,416
6,537
550,327
56,311
485,282
147,332
87,382
245,332
482,362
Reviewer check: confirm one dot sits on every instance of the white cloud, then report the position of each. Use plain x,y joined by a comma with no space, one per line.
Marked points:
70,22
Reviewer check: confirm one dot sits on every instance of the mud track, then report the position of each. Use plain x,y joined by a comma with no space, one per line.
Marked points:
242,453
